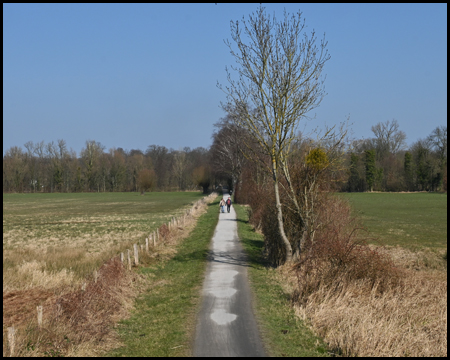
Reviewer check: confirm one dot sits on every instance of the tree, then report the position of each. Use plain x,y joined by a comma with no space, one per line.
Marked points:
118,169
354,180
388,138
90,157
438,141
371,170
146,180
279,78
179,168
161,163
227,150
408,171
202,177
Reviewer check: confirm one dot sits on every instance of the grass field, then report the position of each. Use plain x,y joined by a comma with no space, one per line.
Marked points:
55,239
410,220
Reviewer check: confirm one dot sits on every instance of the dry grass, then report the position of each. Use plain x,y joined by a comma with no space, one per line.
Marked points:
78,322
370,301
67,236
409,319
73,323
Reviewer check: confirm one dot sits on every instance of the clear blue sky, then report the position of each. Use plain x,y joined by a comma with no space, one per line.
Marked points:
132,75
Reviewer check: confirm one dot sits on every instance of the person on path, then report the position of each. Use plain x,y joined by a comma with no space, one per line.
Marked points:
222,205
228,203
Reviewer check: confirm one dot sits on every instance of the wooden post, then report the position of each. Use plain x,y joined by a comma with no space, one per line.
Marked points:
129,259
121,257
154,240
39,316
11,340
146,244
136,260
83,287
58,309
95,276
157,235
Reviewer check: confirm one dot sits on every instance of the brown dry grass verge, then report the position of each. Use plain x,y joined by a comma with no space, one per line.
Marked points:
73,323
79,322
409,319
369,301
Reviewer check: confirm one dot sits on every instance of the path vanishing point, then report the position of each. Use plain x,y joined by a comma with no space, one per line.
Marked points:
226,325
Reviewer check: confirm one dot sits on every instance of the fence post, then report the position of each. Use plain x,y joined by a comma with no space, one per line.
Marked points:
157,235
136,260
11,340
129,260
146,244
121,257
39,316
83,287
95,276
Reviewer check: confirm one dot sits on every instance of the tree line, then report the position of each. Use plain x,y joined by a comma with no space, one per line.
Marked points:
52,167
384,163
381,163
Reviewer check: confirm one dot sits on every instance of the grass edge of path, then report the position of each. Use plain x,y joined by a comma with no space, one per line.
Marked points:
164,318
282,332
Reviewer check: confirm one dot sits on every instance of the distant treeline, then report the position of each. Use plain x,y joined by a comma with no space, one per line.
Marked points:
384,163
381,163
53,168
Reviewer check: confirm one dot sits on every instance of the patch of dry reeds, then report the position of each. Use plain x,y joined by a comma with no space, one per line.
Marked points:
360,301
408,319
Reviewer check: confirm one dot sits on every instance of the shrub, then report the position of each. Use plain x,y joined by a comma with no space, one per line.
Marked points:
340,255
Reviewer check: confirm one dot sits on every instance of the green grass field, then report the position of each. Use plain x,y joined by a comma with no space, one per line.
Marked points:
411,220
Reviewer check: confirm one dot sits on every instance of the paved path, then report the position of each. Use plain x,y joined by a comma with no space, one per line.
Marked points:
226,325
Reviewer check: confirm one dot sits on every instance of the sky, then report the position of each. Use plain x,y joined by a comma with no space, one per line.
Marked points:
134,75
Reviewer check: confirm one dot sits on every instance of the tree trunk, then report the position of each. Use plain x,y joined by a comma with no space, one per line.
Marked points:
286,242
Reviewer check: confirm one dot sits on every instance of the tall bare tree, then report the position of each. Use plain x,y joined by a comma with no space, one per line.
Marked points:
438,140
227,149
279,75
179,168
388,138
90,156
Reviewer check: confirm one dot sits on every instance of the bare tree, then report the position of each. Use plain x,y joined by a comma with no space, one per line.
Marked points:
227,149
90,156
179,168
279,75
388,138
438,140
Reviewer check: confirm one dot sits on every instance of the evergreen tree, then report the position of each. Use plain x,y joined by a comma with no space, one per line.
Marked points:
371,171
409,174
354,180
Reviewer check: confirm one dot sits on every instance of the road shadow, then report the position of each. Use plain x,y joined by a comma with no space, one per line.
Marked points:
224,257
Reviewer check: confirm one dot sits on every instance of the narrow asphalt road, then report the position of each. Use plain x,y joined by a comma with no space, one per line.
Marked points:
226,325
